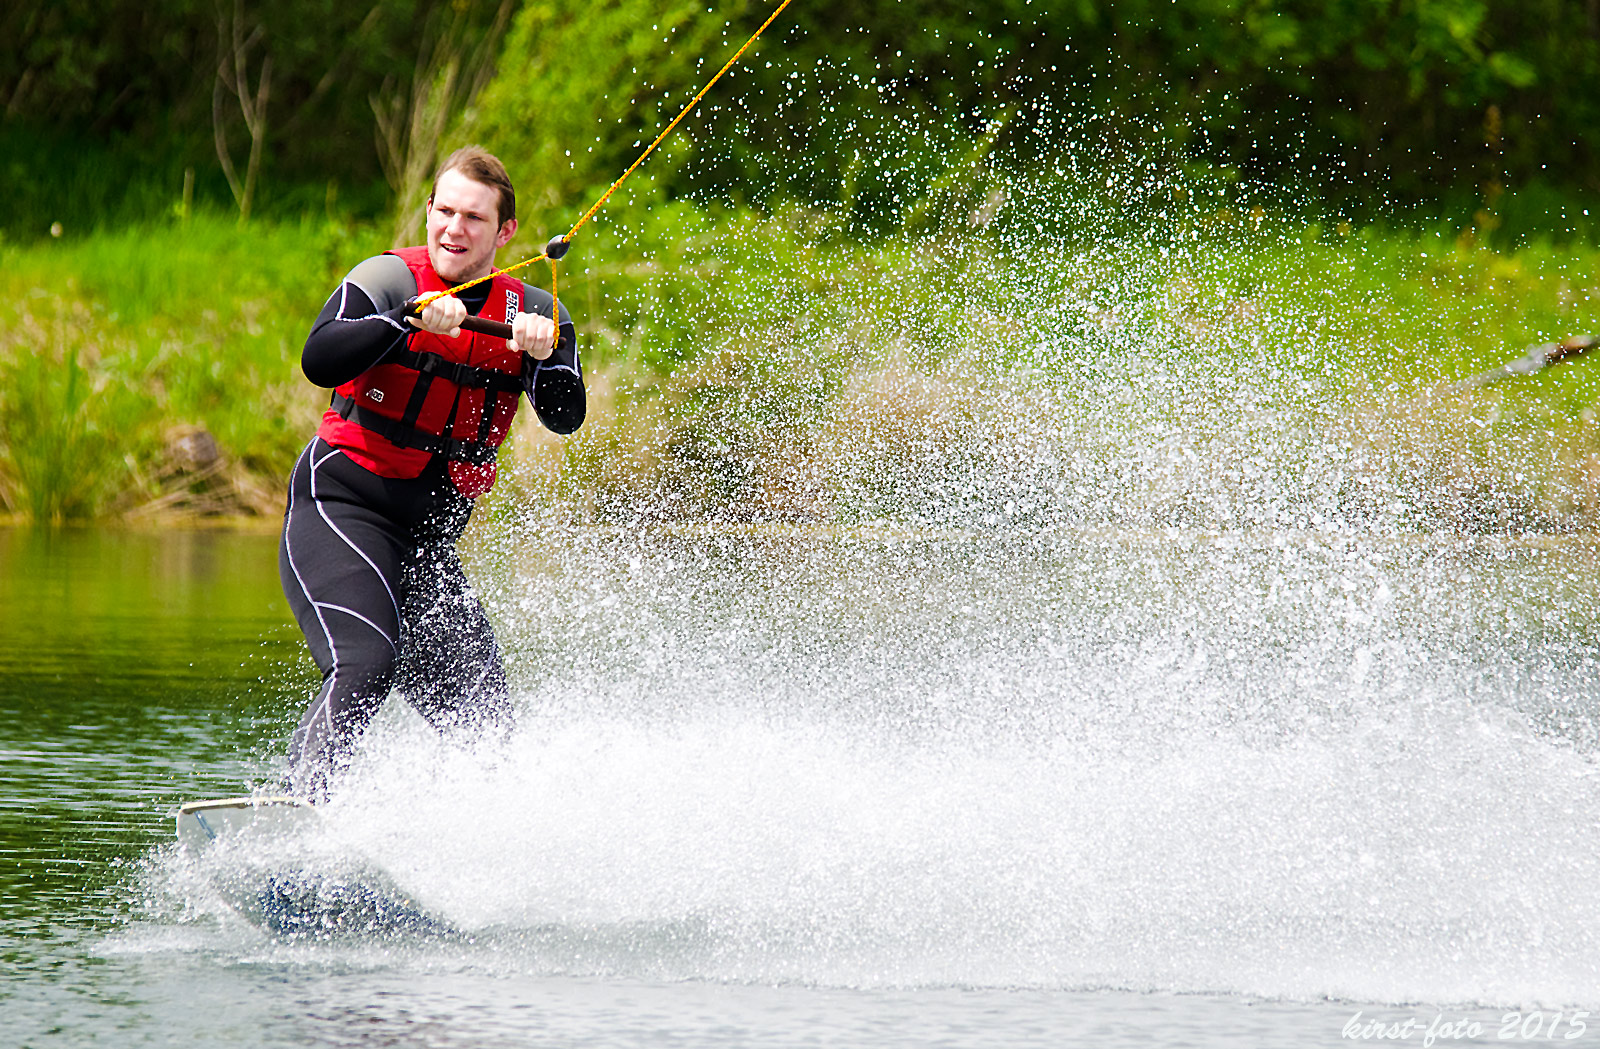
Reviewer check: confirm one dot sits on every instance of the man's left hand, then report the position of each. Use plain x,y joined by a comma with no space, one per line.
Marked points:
533,334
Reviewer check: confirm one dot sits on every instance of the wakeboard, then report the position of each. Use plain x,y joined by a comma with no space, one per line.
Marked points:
271,860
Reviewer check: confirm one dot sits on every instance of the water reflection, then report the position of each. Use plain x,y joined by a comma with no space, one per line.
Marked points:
135,670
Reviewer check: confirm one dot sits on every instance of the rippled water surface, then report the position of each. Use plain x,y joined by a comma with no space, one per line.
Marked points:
870,788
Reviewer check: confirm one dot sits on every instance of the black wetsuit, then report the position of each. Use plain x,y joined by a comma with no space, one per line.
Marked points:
368,563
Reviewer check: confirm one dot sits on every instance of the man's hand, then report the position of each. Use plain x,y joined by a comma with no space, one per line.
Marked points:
533,334
442,316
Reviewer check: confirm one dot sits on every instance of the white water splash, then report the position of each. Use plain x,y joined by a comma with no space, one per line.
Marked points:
840,781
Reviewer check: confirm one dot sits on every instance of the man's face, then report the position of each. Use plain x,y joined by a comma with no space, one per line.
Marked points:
464,230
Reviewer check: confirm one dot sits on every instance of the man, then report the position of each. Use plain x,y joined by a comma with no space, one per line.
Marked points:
384,489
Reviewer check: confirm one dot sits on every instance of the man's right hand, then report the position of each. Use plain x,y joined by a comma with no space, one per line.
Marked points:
442,316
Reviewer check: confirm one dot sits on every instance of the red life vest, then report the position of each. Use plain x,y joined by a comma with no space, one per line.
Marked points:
437,396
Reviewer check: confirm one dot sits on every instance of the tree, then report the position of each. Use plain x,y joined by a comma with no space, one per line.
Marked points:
453,65
235,44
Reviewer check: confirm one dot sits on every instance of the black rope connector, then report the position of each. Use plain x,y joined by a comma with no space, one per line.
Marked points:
557,247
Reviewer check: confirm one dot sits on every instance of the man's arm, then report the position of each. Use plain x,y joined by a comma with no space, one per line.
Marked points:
555,384
360,322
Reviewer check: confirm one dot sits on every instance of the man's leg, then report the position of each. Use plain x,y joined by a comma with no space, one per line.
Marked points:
450,665
340,564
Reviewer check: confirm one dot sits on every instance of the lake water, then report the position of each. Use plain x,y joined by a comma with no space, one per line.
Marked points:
865,788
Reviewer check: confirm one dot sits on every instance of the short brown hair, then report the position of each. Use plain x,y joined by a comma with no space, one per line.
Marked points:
480,165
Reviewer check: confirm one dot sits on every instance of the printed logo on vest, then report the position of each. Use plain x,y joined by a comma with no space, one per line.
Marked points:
513,302
376,395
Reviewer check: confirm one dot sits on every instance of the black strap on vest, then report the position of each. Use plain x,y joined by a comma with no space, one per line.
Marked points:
452,371
404,435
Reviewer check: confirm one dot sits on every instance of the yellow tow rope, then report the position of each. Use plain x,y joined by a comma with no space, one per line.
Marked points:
558,245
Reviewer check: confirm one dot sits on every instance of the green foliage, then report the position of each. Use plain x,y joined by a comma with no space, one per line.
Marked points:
116,342
1405,99
584,87
825,249
59,437
108,104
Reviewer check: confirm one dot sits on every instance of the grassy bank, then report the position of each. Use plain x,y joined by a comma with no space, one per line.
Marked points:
1160,354
152,368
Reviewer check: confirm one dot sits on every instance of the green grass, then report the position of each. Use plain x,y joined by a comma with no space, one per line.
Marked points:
1008,348
115,342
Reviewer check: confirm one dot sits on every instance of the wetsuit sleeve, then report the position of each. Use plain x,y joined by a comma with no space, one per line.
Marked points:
360,322
555,384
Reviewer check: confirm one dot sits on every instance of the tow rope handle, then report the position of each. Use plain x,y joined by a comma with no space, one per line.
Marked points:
487,327
482,325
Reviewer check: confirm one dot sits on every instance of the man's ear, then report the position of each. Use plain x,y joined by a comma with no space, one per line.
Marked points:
508,229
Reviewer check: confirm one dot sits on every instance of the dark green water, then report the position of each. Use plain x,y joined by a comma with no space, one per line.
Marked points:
137,670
